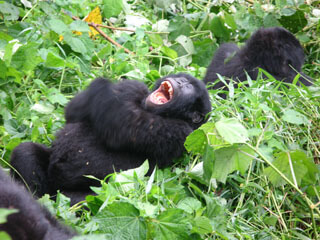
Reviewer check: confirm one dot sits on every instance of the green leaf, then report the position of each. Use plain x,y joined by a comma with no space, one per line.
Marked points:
295,22
169,52
112,8
219,29
189,204
128,178
204,50
9,11
230,159
76,44
202,225
179,26
196,142
121,220
54,61
4,236
208,161
3,69
294,117
43,108
4,213
54,96
303,168
58,26
26,58
232,131
80,26
186,43
171,224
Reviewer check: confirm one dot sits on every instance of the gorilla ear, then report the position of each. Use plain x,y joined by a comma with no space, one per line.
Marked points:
197,117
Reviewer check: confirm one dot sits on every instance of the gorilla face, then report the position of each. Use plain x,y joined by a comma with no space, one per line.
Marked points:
180,96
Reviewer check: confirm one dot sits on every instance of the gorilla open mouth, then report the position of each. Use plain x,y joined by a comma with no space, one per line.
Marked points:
163,94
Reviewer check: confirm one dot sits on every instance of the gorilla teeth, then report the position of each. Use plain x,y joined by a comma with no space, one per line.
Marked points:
163,94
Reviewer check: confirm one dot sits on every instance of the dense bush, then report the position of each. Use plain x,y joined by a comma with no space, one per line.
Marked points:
251,172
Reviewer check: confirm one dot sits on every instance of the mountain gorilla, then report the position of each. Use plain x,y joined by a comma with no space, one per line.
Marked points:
31,221
112,127
275,50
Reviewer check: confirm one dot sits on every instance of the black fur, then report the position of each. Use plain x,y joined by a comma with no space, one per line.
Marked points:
275,50
115,127
32,222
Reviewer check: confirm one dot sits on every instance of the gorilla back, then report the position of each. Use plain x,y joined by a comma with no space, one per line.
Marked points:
32,221
275,50
117,126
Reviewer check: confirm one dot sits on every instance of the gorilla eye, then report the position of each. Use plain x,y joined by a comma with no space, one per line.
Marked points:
197,117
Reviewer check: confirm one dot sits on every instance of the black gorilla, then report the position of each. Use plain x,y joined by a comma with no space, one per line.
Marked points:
275,50
32,221
115,127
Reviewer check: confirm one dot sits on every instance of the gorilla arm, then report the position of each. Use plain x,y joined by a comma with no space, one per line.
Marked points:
118,117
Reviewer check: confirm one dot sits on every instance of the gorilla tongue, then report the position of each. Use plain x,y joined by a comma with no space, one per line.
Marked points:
163,94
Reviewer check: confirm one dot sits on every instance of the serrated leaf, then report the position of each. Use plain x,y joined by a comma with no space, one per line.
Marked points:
196,142
121,220
230,159
303,168
202,225
189,204
112,8
294,117
171,224
219,29
232,131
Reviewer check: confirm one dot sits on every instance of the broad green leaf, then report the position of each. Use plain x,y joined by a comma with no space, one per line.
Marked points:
171,224
208,162
3,69
169,52
230,159
204,50
127,178
219,29
294,117
186,43
4,236
9,11
43,108
303,168
295,22
80,26
121,220
4,213
112,8
58,26
229,19
196,142
76,44
26,58
54,96
202,225
189,204
232,131
179,26
54,61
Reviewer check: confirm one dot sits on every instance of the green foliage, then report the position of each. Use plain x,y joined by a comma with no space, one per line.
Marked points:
251,172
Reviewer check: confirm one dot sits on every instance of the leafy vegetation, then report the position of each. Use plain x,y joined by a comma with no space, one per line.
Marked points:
251,172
